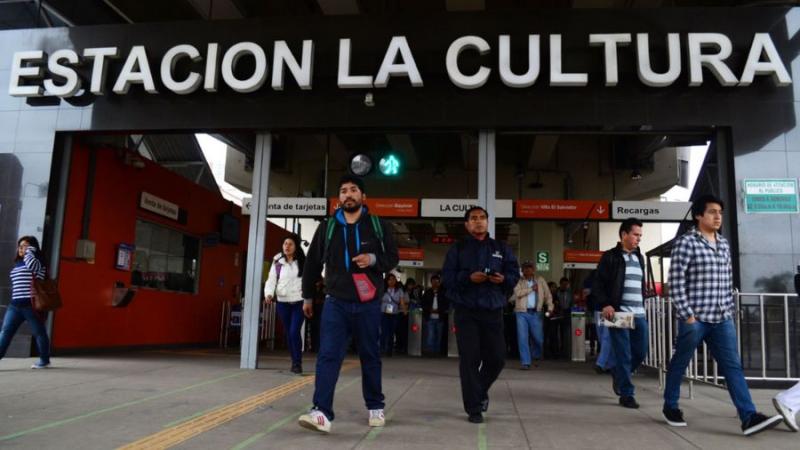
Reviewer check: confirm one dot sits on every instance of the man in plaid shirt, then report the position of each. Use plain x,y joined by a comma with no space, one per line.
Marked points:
701,287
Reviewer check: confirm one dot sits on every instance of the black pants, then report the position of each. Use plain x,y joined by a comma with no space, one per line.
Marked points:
481,352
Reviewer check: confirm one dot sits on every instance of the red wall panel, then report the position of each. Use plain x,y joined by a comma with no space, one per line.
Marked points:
87,319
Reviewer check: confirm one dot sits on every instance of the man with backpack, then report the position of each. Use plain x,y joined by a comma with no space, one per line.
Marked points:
356,249
479,273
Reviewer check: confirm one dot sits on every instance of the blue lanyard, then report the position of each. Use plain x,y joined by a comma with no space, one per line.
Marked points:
346,246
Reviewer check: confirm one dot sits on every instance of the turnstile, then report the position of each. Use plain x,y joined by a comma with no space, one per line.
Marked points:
578,336
415,332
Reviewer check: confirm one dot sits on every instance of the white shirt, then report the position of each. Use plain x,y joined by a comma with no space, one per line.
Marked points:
290,285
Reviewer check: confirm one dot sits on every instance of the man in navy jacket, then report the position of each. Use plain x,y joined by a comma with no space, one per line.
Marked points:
479,274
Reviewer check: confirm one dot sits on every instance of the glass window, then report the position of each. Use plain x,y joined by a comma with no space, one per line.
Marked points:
165,259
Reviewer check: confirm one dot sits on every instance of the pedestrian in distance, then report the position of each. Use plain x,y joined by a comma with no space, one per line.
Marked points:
532,300
285,285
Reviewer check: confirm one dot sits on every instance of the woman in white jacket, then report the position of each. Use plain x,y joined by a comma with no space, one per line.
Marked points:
284,284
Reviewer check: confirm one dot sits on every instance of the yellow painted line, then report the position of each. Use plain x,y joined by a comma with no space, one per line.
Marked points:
184,431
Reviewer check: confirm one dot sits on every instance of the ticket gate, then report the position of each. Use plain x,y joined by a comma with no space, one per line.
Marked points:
415,332
578,336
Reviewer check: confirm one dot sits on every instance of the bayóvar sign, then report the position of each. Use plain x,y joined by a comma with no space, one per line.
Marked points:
386,207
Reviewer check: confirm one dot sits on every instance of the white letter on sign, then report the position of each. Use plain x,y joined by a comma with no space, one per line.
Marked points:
459,79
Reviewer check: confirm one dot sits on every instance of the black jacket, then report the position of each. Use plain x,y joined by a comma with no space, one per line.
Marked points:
610,280
471,255
442,303
338,279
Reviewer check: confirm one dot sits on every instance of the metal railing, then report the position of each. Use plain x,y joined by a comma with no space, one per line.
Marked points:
768,338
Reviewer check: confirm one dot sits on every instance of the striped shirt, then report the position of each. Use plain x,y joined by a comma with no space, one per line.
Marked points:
701,278
22,277
632,300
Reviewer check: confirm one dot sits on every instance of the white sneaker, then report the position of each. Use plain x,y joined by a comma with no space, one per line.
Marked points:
787,413
40,365
315,420
376,418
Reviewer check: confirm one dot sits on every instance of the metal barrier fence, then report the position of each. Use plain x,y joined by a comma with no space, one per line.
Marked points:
768,337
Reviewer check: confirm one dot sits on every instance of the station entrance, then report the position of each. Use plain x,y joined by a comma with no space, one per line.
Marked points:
185,234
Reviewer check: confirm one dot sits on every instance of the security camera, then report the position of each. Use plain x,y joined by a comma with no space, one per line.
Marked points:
369,100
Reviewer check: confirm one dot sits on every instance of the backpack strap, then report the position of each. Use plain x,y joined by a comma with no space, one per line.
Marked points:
376,226
331,227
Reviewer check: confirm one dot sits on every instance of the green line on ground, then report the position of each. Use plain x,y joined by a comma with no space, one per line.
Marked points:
373,433
252,439
59,423
482,445
186,419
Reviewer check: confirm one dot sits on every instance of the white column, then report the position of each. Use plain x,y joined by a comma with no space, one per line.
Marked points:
487,175
255,253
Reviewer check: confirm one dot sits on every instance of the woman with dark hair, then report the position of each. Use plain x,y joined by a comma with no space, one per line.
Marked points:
27,265
284,284
393,299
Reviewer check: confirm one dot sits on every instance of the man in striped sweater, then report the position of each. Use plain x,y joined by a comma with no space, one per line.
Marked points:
619,286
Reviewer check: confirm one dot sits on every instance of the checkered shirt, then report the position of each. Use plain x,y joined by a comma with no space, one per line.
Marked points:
701,278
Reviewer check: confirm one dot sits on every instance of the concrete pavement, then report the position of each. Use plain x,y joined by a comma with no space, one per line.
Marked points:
200,399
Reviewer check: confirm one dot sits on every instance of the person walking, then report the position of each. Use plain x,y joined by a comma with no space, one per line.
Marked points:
620,287
701,287
27,266
480,273
531,297
435,307
357,249
391,306
285,284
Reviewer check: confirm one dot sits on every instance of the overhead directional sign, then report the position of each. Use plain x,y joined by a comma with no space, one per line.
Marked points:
771,196
456,207
290,206
563,209
651,211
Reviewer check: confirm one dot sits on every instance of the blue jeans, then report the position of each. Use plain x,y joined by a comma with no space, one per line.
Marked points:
15,315
605,359
340,320
388,328
721,340
630,349
529,325
433,338
291,315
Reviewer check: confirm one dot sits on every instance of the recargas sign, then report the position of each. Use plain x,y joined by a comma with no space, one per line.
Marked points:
68,72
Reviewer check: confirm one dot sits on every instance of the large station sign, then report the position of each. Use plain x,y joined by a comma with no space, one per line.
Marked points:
651,211
562,209
185,68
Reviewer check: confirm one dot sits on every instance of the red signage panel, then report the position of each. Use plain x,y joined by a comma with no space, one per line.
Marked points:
562,209
582,256
386,207
411,254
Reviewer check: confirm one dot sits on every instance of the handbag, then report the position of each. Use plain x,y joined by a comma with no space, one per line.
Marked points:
44,295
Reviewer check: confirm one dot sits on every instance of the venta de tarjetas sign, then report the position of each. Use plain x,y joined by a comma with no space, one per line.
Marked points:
71,72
